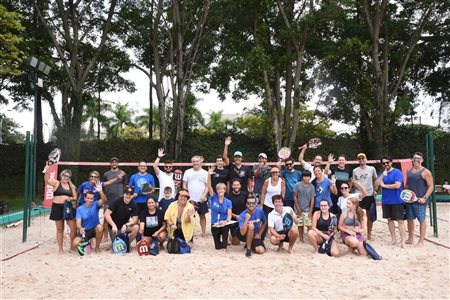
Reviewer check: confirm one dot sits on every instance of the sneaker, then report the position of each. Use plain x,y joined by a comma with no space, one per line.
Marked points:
248,253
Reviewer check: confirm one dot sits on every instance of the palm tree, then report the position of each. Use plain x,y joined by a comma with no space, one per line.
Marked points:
122,117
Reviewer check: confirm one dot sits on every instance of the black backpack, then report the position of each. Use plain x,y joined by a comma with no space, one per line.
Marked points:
173,246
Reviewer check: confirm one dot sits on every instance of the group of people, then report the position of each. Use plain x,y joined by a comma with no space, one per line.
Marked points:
247,204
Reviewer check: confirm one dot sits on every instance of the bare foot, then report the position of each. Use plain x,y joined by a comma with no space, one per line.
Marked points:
393,242
419,244
291,250
203,235
409,241
403,244
60,251
97,249
369,237
280,247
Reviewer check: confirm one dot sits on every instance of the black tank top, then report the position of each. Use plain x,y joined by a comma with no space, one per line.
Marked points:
323,224
60,191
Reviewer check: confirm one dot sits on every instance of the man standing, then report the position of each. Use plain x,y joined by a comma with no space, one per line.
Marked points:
220,174
142,180
307,166
291,177
252,223
120,212
390,180
367,176
194,180
236,168
420,181
88,223
261,172
279,233
238,199
165,178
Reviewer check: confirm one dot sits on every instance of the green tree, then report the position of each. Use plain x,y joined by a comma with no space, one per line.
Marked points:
123,117
9,131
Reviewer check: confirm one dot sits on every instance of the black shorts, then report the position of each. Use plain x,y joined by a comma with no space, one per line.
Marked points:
393,211
366,202
89,234
57,212
234,229
201,207
255,242
286,233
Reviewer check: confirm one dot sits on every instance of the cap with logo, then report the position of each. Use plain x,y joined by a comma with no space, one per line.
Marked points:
128,190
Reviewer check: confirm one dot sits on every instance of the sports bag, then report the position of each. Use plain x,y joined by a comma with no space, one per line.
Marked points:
184,247
154,247
371,251
173,246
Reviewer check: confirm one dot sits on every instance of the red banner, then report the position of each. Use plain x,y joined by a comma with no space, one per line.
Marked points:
48,189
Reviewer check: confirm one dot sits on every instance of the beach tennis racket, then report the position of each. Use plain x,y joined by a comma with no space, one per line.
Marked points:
54,156
146,188
177,177
287,221
119,246
84,248
408,196
314,143
284,153
143,248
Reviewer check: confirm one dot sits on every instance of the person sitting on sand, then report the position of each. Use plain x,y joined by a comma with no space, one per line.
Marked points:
252,223
279,233
220,212
88,223
153,225
180,218
319,232
352,224
122,215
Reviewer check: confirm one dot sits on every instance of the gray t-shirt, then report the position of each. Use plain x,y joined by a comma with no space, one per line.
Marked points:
304,195
115,190
366,176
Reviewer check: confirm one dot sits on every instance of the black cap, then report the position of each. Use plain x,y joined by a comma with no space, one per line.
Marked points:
114,158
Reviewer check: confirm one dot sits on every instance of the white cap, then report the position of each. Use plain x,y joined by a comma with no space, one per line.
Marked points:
263,155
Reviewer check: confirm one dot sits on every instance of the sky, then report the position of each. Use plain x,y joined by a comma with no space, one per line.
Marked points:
209,103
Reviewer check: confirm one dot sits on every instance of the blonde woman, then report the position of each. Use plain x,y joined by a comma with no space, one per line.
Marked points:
352,224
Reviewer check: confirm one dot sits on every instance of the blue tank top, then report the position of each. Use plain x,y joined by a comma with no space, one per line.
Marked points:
416,183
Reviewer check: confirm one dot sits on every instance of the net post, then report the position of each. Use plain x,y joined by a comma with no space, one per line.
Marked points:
433,195
27,187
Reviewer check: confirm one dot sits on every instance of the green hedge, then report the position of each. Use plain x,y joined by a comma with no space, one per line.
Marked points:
405,140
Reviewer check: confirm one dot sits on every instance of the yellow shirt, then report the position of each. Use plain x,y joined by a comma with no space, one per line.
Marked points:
186,227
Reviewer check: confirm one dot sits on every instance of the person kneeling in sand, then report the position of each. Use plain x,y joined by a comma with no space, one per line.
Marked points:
252,223
122,216
180,218
352,224
88,223
281,230
321,230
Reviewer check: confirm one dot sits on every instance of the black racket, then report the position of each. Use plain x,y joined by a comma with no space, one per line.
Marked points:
146,188
288,221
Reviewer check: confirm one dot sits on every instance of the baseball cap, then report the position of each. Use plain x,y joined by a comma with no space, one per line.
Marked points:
114,159
128,190
238,153
361,155
184,193
263,155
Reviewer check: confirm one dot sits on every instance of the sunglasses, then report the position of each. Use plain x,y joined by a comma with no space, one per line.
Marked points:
66,176
288,165
416,158
251,203
386,163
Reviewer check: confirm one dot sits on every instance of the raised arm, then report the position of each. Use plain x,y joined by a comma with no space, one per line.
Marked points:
158,157
99,189
52,182
226,160
301,156
327,166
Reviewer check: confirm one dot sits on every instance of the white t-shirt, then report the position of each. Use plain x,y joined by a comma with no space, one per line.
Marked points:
275,220
196,183
342,201
164,181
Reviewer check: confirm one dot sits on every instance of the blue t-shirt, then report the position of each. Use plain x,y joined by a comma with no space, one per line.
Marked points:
88,215
322,191
164,204
137,180
391,196
83,188
291,179
219,210
258,218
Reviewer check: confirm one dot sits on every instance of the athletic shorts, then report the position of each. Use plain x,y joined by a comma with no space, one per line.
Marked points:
358,236
201,207
57,212
286,235
234,229
393,211
255,242
366,202
416,210
89,234
304,219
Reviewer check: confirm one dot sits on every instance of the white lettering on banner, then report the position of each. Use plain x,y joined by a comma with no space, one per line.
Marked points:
48,189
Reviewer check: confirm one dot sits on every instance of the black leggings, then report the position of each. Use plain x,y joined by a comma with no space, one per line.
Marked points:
218,233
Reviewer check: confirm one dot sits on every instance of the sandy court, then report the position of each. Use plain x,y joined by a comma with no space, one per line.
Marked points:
208,273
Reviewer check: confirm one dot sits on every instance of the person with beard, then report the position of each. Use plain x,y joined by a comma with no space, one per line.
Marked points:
261,172
236,168
291,177
165,178
238,199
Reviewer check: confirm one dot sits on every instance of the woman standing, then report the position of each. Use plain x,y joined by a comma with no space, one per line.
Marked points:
220,212
179,217
321,225
274,185
64,191
352,224
152,223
